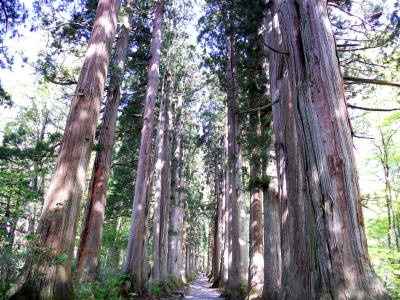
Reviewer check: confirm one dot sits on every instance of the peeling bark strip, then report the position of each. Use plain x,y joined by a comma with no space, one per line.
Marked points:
134,255
88,254
57,227
324,250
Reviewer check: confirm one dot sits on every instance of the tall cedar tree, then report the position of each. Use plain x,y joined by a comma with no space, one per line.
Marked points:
49,275
88,255
161,200
135,252
324,249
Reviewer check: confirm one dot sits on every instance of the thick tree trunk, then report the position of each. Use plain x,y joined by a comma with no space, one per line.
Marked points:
237,267
225,254
57,227
181,211
187,261
223,277
210,246
324,250
272,246
217,237
167,186
256,266
88,255
135,255
173,237
161,200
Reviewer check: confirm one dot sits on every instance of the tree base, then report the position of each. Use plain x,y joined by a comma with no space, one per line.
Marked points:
34,289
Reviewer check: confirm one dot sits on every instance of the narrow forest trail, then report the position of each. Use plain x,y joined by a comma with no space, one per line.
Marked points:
200,289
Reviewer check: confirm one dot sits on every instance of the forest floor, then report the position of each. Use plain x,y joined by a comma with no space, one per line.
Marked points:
200,290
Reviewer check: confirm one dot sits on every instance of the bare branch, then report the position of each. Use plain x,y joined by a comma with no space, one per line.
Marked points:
354,80
265,107
362,137
357,49
347,45
275,50
3,6
371,109
349,13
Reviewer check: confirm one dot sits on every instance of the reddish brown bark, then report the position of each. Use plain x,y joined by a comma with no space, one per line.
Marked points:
223,277
57,227
216,248
88,254
181,213
256,265
174,249
134,256
237,268
324,251
161,201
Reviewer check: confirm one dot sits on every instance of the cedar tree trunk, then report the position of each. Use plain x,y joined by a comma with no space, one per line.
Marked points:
237,267
134,254
324,249
58,222
88,254
256,266
161,182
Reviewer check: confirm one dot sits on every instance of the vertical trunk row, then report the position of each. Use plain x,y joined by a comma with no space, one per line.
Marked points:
324,252
135,254
217,237
210,248
167,183
88,255
256,265
161,201
392,222
57,227
175,213
224,230
181,214
237,265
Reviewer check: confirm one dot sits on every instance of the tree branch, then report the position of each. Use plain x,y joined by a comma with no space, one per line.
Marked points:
347,45
269,105
3,6
371,109
357,49
348,13
275,50
353,80
362,137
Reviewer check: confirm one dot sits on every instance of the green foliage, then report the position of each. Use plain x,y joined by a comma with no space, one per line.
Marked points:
156,289
12,14
260,183
165,287
105,288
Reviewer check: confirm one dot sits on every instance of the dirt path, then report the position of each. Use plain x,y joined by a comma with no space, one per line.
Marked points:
200,290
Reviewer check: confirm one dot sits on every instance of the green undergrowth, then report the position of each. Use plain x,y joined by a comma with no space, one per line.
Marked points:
113,288
235,294
166,287
109,287
191,278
